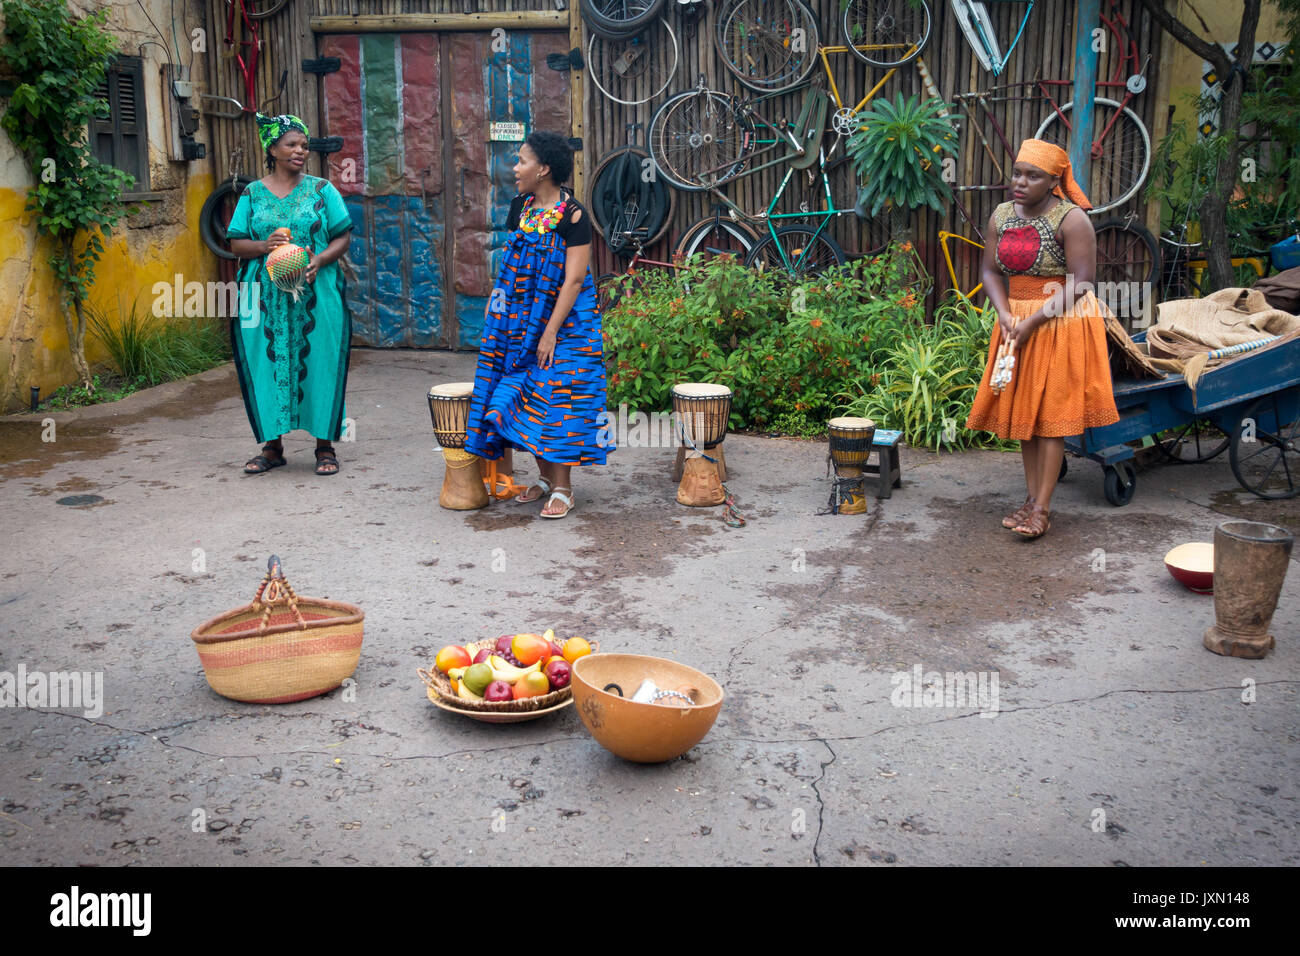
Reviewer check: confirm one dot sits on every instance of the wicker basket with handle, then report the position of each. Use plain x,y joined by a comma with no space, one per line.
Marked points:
280,648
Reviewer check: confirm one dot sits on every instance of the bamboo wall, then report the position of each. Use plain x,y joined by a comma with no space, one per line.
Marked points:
1045,51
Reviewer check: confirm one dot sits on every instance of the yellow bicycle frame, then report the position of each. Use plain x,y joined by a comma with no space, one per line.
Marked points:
952,270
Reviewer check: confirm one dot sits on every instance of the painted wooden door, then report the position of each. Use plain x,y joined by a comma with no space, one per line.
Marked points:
426,188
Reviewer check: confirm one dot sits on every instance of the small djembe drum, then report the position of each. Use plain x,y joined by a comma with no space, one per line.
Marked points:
462,488
701,411
850,441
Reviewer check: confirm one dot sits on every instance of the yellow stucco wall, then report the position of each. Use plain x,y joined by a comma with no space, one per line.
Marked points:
152,245
33,330
1224,20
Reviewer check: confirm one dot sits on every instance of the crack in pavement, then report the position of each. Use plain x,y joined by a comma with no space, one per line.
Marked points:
757,740
821,804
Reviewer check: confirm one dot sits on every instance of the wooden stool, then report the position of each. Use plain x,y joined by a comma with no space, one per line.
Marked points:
887,470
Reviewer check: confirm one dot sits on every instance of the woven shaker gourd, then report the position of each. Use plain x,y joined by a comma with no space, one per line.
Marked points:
287,265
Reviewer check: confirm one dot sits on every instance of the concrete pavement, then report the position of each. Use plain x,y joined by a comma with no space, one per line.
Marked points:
1118,739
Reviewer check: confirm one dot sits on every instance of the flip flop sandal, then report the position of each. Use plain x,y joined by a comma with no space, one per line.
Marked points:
568,503
325,456
1013,520
263,463
542,483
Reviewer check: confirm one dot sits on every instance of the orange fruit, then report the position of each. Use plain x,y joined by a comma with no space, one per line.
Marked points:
574,648
451,656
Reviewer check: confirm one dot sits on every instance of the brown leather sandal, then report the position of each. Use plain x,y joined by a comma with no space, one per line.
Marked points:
1019,515
1036,524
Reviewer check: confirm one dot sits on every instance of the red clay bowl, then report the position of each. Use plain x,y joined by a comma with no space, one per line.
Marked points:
1192,565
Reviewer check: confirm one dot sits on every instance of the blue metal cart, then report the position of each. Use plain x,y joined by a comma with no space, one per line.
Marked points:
1249,406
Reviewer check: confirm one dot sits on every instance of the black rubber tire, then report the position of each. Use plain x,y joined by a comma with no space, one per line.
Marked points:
1128,253
1119,483
765,253
612,19
725,11
213,217
879,59
621,198
1272,456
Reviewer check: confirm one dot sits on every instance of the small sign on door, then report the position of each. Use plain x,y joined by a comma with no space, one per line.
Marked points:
506,132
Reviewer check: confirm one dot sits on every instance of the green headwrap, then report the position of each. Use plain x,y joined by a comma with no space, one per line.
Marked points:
271,128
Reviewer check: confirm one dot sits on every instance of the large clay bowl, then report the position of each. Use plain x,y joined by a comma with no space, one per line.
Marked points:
642,733
1192,565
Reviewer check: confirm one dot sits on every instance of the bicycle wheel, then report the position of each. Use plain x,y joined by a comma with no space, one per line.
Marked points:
1265,451
625,205
616,19
893,31
1120,162
698,140
1128,261
216,212
769,45
796,251
613,287
716,236
261,9
630,71
1198,440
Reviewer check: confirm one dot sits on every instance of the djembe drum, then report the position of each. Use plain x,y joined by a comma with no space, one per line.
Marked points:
702,411
462,488
850,441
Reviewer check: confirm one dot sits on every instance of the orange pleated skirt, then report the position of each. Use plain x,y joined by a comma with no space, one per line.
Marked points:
1061,381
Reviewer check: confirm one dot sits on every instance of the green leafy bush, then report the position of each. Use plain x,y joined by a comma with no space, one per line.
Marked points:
925,379
782,348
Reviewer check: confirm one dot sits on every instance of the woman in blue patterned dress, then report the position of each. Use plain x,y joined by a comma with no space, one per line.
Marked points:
540,384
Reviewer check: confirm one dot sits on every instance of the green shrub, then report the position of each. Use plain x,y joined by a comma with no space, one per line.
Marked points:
925,380
782,348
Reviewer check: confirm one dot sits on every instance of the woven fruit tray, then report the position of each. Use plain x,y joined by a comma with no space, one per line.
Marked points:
439,690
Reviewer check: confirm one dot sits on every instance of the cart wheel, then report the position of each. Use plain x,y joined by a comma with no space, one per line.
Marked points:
1119,481
1265,453
1065,466
1198,440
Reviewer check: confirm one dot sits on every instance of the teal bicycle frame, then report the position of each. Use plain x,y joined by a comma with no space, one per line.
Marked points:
771,217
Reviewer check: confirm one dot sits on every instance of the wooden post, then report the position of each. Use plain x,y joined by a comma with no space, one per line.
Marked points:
1087,19
576,100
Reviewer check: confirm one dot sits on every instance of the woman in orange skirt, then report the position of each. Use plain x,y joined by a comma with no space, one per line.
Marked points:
1038,272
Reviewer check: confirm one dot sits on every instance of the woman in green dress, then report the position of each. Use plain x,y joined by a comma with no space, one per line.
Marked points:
291,352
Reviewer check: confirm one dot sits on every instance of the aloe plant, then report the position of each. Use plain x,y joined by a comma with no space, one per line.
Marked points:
898,152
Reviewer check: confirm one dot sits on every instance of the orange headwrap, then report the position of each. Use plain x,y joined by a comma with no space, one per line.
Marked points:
1055,162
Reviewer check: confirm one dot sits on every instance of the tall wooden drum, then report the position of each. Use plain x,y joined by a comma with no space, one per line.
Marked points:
462,488
701,411
850,446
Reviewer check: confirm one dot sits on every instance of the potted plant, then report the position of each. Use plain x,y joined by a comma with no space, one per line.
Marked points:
897,152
